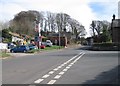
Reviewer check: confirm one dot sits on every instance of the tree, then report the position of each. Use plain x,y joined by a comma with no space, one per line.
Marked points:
51,21
105,33
77,28
62,21
99,28
24,22
93,27
5,34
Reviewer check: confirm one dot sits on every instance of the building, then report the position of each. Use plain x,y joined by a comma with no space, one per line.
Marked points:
58,40
115,30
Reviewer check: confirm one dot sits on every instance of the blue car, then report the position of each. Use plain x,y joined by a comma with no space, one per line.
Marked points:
22,48
32,46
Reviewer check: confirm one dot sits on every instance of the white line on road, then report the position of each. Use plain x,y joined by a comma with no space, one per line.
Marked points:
38,81
59,67
51,72
69,65
77,59
55,69
62,64
45,76
72,63
61,73
65,63
57,76
51,82
65,69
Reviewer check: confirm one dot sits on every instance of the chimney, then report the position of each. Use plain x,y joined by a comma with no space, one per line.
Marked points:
113,17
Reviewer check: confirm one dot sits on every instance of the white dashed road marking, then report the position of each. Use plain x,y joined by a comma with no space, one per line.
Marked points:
51,72
51,82
62,65
59,67
38,81
67,67
45,76
65,63
63,71
55,69
57,76
72,63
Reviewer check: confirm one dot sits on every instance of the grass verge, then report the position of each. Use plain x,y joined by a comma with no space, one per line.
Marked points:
46,49
3,54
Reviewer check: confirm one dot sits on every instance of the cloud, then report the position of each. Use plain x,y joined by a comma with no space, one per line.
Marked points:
77,9
8,11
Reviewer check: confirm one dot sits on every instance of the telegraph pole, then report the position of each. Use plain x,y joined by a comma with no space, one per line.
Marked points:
37,33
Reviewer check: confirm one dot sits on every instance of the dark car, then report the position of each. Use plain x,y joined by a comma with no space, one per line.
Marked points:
22,48
32,46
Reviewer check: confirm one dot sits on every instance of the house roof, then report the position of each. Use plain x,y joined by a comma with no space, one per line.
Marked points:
18,35
14,34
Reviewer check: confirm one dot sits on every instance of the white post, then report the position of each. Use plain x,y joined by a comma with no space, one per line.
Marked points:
37,29
39,34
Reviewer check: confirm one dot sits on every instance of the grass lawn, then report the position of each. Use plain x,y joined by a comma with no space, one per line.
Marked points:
52,48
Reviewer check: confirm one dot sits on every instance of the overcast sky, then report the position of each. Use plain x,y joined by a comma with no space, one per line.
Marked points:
82,10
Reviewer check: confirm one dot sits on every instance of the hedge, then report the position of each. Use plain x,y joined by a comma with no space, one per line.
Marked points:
106,46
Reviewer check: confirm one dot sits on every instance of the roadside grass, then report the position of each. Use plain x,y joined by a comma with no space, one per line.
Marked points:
52,48
3,55
46,49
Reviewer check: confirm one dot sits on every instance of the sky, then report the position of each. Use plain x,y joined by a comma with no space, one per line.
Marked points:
82,10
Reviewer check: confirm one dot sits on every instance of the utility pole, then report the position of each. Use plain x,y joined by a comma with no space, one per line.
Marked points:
37,33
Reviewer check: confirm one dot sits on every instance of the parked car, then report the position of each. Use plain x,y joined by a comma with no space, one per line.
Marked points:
42,46
11,45
22,48
48,43
32,46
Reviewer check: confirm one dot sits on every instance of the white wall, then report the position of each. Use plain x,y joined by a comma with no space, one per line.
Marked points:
3,46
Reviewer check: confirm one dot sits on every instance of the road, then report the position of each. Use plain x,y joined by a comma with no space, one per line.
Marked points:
66,66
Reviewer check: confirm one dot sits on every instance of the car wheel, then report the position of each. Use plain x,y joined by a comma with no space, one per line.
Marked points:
12,51
24,51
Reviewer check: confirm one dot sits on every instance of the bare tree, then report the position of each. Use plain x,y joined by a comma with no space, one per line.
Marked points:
92,26
77,28
51,21
62,21
97,27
